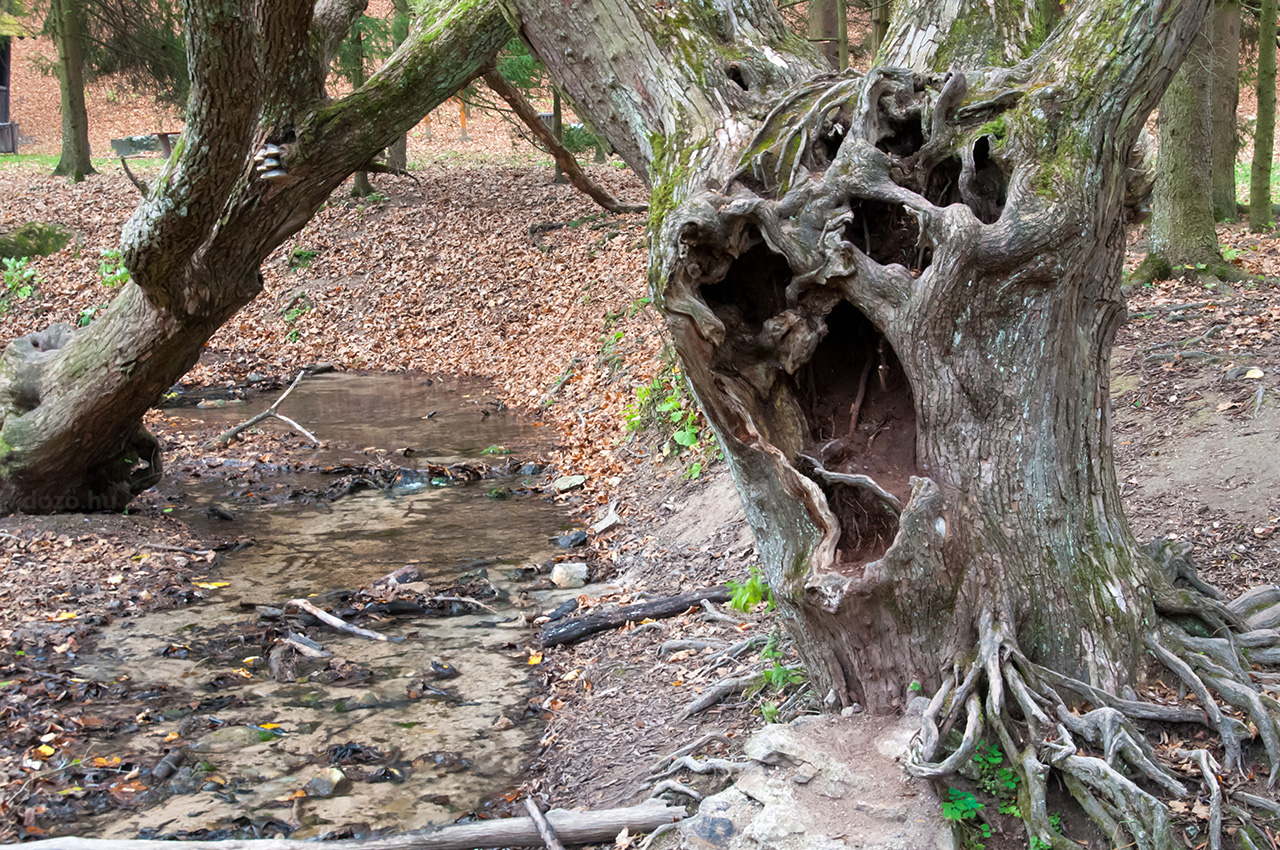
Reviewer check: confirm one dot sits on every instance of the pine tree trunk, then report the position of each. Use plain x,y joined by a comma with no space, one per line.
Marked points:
1225,102
72,400
1265,134
68,32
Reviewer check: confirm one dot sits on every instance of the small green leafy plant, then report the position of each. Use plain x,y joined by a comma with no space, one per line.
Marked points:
961,808
993,776
298,307
85,317
20,280
746,595
666,405
301,258
111,268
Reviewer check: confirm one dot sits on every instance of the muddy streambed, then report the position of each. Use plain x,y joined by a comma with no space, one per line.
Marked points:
438,722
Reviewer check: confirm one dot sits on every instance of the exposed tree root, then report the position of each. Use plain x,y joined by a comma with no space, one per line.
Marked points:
1100,755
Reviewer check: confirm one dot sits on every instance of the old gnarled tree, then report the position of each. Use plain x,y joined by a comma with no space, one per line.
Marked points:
895,296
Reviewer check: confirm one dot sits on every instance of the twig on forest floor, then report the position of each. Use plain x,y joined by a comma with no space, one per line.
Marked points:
332,621
660,831
716,693
710,737
163,547
270,413
673,646
1194,354
544,829
1189,340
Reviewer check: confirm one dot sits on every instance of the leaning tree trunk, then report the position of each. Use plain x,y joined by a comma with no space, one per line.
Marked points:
67,23
71,401
895,296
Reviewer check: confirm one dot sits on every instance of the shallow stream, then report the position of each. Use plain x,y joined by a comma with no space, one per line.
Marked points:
420,746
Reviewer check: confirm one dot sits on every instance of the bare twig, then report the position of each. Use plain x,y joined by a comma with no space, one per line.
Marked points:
467,599
544,829
708,738
717,692
567,162
332,621
226,436
162,547
140,185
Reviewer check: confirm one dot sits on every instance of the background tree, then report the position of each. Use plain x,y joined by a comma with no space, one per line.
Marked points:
368,38
140,41
1224,103
398,153
1265,132
66,25
1183,238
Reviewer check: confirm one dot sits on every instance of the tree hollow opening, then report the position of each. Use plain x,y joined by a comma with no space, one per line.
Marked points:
861,419
887,234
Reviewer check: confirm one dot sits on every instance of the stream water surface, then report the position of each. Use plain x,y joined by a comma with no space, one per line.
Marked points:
420,745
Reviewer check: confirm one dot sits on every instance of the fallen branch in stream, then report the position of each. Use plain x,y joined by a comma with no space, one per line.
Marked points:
571,828
271,412
334,622
578,628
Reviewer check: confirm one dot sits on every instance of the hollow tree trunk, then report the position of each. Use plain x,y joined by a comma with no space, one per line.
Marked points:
71,400
1226,101
67,23
910,277
895,297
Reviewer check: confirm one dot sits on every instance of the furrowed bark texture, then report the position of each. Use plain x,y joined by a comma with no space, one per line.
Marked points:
895,296
71,401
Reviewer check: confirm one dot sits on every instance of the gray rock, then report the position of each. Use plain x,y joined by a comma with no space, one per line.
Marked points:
230,739
330,782
572,574
568,482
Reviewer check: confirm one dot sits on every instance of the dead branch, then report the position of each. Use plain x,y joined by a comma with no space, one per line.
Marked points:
578,628
717,692
467,599
544,829
708,738
138,184
270,413
330,620
568,162
187,550
571,827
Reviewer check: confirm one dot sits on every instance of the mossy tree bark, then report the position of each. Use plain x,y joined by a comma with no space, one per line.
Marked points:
1264,136
1184,240
72,400
66,22
1225,99
894,296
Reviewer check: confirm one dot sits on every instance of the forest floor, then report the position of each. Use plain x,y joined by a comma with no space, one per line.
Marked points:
441,276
